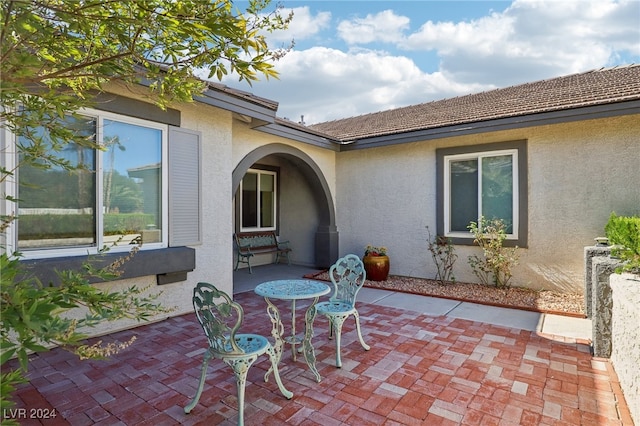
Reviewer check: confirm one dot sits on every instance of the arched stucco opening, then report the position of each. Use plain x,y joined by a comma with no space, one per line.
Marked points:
326,234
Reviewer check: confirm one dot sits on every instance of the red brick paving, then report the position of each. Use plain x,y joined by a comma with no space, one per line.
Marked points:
421,370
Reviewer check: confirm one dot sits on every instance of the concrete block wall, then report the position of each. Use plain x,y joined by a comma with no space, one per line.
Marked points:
625,337
601,304
589,254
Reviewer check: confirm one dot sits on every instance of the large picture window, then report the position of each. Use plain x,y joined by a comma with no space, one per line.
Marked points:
117,198
258,200
475,183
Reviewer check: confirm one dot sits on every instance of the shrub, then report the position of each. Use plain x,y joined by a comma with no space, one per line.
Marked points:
443,254
495,268
623,233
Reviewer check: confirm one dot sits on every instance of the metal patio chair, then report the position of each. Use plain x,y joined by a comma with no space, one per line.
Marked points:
221,318
348,276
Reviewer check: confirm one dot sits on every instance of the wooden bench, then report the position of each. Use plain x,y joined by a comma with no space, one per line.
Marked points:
249,244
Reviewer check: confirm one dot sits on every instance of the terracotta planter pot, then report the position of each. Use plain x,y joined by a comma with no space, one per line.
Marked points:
377,267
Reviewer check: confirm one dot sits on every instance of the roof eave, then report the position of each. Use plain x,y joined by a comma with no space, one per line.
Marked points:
238,105
243,103
303,136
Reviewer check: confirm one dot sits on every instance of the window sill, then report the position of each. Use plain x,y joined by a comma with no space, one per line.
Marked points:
168,265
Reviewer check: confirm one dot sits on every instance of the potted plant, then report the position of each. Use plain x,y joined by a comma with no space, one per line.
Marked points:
376,263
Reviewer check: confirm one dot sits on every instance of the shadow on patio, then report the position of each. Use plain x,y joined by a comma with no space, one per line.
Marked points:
421,369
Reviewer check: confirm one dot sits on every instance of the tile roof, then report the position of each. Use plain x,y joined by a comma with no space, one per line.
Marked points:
596,87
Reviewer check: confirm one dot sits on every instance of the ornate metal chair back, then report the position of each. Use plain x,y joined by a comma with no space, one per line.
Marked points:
219,316
348,276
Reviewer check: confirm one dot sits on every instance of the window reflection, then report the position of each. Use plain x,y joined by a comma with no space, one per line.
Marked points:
132,182
102,197
56,206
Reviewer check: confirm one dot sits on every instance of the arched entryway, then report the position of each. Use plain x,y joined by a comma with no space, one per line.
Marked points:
326,234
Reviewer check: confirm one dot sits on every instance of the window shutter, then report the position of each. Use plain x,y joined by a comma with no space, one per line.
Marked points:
185,205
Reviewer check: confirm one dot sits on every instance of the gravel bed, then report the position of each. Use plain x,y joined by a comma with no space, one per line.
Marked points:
571,304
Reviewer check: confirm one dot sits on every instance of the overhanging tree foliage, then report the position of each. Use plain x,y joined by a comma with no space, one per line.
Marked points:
66,51
55,57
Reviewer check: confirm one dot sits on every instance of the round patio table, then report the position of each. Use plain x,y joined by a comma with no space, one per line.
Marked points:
293,289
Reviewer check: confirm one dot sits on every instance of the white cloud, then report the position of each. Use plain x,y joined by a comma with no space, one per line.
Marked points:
303,26
483,36
384,26
325,84
533,39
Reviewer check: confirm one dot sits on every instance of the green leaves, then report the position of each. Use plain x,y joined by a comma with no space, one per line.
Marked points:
624,234
495,267
8,382
56,49
33,317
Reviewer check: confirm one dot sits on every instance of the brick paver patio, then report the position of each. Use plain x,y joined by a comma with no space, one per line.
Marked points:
421,370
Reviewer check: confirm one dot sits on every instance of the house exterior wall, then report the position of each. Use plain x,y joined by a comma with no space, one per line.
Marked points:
246,139
212,256
225,141
297,214
298,209
578,173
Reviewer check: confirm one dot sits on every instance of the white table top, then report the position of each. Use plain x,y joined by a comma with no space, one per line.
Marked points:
292,289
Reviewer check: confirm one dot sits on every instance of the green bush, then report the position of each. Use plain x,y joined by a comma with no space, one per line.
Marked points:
498,261
623,233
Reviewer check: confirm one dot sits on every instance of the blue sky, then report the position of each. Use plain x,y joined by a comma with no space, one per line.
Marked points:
357,57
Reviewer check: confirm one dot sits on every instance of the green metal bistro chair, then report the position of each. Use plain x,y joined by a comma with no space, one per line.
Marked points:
348,276
221,318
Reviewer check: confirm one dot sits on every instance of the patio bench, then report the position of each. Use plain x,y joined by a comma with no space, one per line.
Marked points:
259,242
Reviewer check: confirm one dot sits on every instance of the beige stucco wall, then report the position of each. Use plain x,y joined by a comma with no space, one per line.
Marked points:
387,195
246,140
298,212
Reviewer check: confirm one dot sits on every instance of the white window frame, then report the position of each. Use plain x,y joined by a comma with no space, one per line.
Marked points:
275,201
448,159
10,159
